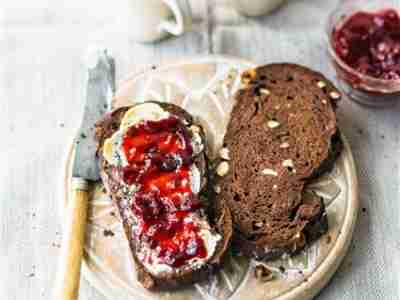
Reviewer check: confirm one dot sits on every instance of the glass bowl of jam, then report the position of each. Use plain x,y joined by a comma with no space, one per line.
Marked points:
363,38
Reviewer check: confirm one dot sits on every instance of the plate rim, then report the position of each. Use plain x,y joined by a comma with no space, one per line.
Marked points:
328,266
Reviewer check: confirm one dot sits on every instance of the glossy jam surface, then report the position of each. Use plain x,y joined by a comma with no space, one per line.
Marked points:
159,155
370,43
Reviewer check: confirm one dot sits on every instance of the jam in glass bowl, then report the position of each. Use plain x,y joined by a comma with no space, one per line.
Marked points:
364,46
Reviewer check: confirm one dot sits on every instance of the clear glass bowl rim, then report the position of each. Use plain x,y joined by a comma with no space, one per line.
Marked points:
330,25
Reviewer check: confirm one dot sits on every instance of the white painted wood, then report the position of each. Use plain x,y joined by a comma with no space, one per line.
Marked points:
42,47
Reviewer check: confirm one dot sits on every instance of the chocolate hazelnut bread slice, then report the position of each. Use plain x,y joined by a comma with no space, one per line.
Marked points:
154,167
282,132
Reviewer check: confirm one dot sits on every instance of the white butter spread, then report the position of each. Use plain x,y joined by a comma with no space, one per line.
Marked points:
112,150
195,179
210,239
197,142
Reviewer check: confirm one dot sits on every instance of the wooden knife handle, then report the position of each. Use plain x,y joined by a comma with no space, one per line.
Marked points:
67,284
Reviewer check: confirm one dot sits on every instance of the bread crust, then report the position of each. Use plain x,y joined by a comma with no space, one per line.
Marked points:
221,221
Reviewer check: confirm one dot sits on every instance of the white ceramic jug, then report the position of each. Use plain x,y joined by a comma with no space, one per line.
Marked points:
153,20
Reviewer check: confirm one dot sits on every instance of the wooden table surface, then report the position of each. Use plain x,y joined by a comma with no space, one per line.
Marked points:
43,45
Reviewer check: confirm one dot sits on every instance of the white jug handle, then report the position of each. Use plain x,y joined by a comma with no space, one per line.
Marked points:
182,14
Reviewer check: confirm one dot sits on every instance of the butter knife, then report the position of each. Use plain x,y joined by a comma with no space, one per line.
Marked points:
85,168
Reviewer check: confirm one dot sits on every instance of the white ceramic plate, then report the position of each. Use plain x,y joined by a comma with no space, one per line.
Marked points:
204,87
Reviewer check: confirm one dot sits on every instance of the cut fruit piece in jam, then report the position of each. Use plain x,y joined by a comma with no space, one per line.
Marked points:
370,43
159,155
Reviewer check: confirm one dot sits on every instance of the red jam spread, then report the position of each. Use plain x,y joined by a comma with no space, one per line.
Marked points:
370,43
159,155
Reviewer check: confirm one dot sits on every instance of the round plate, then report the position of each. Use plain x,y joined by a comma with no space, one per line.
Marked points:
204,87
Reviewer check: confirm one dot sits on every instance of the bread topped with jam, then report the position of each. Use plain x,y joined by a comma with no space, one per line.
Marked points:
154,167
282,133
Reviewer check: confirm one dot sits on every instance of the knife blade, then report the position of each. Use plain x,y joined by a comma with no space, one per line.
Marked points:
99,93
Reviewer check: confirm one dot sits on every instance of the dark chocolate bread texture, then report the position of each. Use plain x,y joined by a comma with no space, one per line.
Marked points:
216,213
281,134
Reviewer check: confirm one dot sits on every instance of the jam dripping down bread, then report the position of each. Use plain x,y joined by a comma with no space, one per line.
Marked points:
282,133
156,172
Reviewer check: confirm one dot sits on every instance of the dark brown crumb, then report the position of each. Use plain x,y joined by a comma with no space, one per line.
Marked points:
235,251
112,214
56,245
108,232
83,135
364,209
263,273
328,239
153,67
300,272
282,269
360,131
62,125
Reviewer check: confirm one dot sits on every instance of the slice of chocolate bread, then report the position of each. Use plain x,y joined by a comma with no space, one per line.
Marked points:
154,167
282,132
